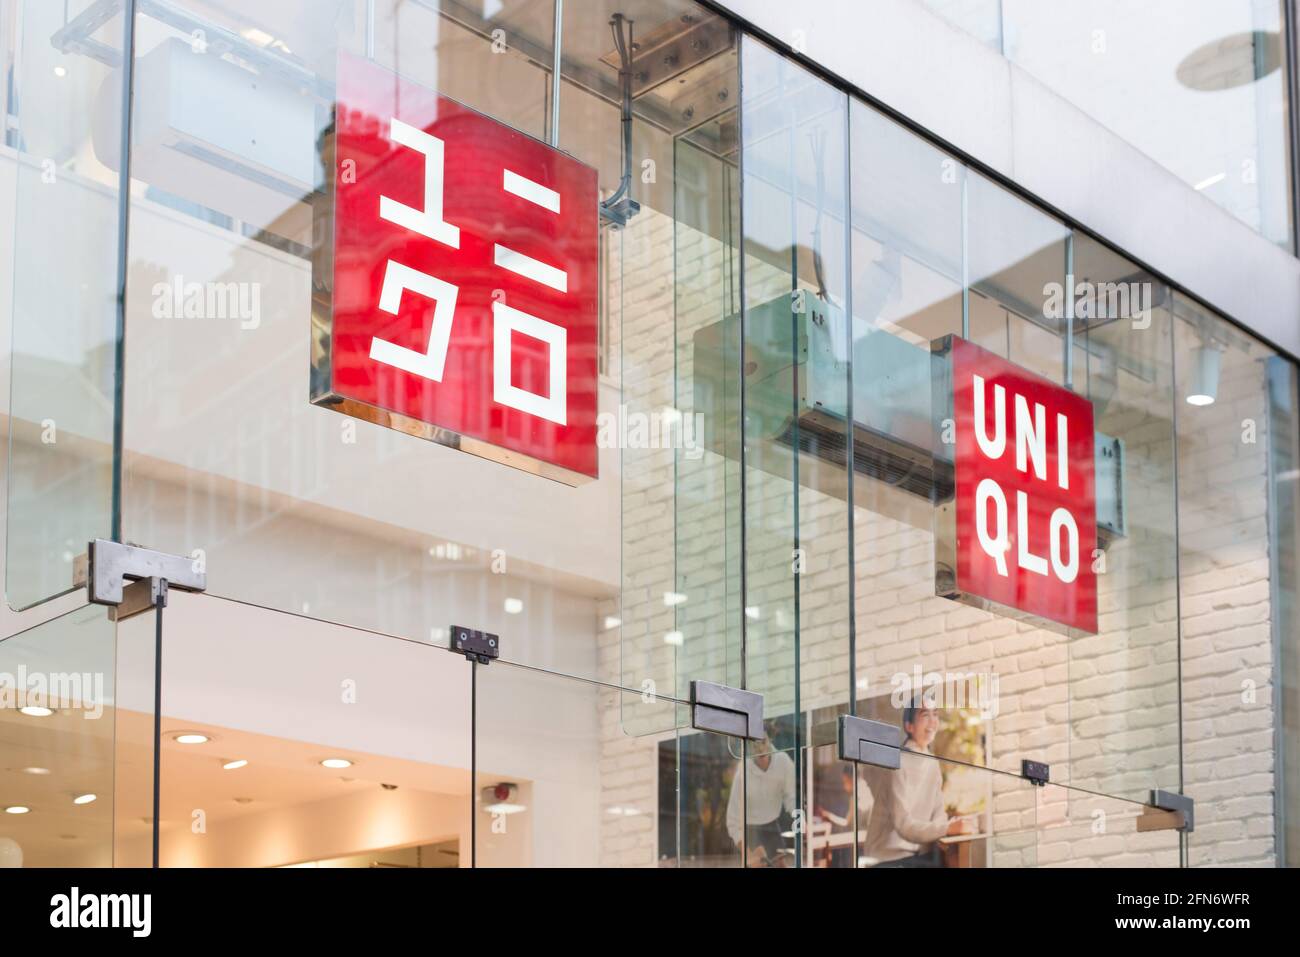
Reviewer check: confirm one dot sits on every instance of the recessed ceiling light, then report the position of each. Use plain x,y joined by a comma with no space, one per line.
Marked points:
513,606
336,763
36,770
674,638
612,622
36,711
17,809
243,800
234,765
190,737
60,71
84,799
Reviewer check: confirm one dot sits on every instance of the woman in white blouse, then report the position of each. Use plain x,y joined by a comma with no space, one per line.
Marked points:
908,815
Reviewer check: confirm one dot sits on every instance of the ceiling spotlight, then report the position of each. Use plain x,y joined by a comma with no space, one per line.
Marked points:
336,763
1203,387
36,770
674,638
234,765
17,809
36,711
513,606
84,799
60,71
190,737
612,621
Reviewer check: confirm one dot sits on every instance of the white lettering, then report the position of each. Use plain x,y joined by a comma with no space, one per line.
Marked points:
1031,437
995,548
1066,570
1025,558
993,448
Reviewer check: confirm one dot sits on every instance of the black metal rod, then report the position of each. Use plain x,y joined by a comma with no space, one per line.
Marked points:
160,601
473,763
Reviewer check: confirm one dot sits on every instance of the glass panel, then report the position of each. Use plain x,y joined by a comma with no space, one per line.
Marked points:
295,507
58,707
1123,681
1080,829
670,396
317,745
921,222
1228,685
560,783
907,292
1014,252
133,740
1284,553
62,133
798,612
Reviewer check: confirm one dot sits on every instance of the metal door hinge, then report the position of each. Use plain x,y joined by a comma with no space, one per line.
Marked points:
863,741
726,710
1168,811
110,566
474,645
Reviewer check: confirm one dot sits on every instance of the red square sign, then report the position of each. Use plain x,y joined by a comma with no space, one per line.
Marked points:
1024,495
464,299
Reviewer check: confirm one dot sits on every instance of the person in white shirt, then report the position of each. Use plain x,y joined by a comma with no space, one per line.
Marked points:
908,814
757,802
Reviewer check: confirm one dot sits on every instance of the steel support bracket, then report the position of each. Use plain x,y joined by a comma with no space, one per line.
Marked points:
474,645
111,565
864,741
1168,811
726,710
1035,772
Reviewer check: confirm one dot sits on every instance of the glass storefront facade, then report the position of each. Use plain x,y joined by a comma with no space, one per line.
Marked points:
772,470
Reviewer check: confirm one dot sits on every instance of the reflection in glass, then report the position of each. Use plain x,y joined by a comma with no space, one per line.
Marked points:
59,189
1226,600
59,705
289,741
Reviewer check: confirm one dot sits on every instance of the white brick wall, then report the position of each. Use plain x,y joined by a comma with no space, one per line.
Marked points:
1102,709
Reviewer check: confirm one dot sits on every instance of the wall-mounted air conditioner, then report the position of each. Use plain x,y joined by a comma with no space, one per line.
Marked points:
796,385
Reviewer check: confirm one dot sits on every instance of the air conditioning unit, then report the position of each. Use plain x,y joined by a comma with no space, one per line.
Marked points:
796,387
215,133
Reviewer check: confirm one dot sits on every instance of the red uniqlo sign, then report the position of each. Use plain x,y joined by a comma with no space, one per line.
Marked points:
1025,501
465,278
